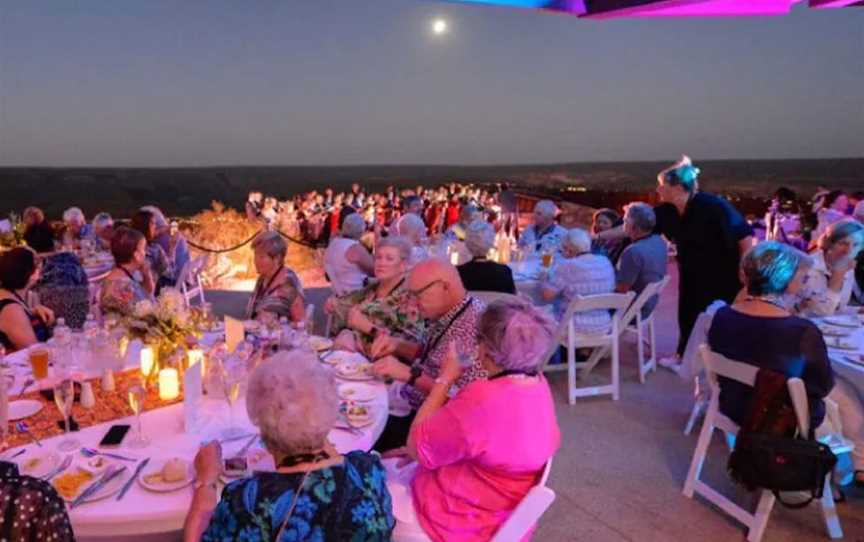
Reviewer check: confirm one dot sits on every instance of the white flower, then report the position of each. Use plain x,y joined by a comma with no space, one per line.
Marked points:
171,304
143,308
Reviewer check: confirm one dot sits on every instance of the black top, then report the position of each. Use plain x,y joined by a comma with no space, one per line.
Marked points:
30,509
791,346
707,237
40,329
486,276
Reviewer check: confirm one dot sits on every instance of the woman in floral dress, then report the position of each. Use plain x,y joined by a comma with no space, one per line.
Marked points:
122,289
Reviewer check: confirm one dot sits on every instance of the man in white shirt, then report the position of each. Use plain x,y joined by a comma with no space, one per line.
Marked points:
545,234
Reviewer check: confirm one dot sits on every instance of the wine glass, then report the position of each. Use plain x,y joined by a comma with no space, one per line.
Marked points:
230,378
64,396
137,395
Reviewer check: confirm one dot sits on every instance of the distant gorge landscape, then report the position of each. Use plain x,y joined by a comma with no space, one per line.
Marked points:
186,191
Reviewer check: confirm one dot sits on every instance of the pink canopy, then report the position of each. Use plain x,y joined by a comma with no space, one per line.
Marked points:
601,9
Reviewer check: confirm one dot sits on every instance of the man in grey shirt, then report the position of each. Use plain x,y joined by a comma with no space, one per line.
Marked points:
644,260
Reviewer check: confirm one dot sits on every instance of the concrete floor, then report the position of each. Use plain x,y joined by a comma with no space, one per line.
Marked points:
622,464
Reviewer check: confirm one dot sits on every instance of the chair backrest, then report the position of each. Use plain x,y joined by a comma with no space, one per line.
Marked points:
635,308
310,318
528,511
488,297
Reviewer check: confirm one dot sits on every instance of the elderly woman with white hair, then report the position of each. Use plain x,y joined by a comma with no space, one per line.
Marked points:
412,227
76,227
479,453
314,492
278,291
831,278
481,274
580,273
544,235
384,305
347,262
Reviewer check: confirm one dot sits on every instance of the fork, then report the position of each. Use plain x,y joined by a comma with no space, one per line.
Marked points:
21,427
63,466
27,383
92,452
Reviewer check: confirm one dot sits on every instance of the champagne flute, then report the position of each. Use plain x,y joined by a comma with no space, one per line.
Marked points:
137,394
231,389
64,396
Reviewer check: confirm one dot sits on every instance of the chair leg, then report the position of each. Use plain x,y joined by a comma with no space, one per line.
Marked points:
616,368
571,373
640,351
760,518
698,457
698,410
829,510
653,337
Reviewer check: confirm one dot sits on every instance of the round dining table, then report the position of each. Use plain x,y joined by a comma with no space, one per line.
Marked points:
146,515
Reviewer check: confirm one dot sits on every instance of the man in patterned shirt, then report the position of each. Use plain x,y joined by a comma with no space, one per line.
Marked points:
452,315
545,234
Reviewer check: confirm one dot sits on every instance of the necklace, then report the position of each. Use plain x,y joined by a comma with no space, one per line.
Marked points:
770,300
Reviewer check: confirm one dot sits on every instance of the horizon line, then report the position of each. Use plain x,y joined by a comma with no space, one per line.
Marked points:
433,165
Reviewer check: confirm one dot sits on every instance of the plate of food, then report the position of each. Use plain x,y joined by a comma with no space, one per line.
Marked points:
39,464
320,343
842,321
166,475
75,480
354,371
356,392
355,414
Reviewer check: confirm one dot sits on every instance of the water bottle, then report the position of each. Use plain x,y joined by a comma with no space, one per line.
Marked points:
91,326
62,333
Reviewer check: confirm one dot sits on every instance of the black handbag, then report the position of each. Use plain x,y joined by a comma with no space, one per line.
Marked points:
767,453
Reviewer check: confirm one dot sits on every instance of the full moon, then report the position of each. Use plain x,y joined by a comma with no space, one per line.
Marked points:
439,26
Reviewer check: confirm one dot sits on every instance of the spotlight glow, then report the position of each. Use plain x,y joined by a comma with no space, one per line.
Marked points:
439,27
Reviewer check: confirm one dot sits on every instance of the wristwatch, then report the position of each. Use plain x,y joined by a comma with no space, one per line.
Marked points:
416,371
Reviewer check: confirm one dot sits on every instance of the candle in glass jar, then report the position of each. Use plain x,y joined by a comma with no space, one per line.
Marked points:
194,356
169,384
454,258
146,360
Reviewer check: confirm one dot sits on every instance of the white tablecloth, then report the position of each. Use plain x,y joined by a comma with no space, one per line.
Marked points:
142,512
526,275
847,363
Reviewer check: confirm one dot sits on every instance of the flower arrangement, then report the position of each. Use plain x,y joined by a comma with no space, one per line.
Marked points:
167,325
13,236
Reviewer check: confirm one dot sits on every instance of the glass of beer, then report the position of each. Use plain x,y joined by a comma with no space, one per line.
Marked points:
547,259
39,358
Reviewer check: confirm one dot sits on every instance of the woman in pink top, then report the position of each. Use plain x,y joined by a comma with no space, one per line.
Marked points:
479,453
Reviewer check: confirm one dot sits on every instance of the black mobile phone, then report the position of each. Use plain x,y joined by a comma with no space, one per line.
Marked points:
114,436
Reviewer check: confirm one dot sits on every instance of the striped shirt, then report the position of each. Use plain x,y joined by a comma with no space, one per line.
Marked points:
586,274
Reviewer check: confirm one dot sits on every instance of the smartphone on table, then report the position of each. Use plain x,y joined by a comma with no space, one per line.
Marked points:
114,437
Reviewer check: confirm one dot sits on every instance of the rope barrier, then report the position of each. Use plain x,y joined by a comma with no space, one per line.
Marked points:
223,250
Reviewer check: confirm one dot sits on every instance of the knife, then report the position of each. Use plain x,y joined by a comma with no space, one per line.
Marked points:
107,477
128,484
63,466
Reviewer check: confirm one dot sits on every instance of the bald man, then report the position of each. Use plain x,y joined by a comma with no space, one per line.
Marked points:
452,316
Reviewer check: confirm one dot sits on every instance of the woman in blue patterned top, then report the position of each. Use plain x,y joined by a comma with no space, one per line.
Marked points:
315,493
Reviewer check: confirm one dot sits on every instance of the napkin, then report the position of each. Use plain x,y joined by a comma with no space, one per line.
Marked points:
235,333
192,397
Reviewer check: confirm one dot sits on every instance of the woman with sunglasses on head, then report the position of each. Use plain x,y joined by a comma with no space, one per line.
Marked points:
383,305
21,324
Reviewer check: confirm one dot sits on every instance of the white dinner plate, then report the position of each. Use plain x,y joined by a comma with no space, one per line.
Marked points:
357,392
18,410
842,345
354,371
111,488
155,468
38,464
833,331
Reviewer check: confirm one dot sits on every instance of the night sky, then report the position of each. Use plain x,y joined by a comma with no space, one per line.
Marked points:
336,82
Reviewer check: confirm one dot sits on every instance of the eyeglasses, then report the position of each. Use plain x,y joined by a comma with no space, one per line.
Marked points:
419,292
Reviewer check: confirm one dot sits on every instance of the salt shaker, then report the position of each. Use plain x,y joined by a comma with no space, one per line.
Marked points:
88,400
108,380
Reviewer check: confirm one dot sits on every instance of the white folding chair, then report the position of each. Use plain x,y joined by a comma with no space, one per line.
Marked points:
717,365
527,513
601,344
310,318
189,280
634,323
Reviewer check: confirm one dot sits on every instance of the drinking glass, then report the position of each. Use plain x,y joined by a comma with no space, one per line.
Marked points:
230,378
64,396
137,395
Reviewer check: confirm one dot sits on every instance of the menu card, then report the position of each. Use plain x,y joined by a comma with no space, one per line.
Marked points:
192,397
235,333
